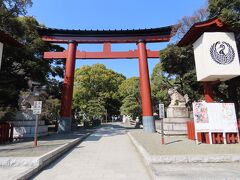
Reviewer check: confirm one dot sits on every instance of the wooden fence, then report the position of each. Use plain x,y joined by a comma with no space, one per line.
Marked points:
6,133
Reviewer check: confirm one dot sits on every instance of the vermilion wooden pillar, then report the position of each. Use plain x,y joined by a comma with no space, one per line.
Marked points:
208,91
66,104
145,90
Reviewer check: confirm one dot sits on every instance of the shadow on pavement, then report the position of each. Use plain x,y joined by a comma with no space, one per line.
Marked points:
105,130
173,142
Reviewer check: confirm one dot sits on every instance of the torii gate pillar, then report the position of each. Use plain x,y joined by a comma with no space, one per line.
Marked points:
66,104
145,91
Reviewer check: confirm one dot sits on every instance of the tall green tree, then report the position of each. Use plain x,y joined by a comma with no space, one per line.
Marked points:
227,11
96,90
160,83
129,91
179,62
176,67
21,64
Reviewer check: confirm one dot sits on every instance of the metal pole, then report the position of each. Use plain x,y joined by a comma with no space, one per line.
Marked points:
36,131
106,115
1,52
162,131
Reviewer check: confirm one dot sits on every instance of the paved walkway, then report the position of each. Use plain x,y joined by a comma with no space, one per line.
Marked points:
45,144
17,158
107,154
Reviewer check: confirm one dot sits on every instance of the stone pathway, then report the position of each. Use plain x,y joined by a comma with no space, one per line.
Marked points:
18,158
107,154
10,173
45,144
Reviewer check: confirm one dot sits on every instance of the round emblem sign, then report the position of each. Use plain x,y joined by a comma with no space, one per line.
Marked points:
222,53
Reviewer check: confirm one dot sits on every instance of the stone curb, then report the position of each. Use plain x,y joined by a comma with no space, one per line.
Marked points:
146,157
171,159
198,158
140,149
49,157
18,161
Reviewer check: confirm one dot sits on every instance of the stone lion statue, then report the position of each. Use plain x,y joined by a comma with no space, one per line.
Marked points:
176,98
34,93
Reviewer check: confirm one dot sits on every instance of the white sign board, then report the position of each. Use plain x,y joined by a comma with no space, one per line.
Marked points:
216,56
1,52
37,107
214,117
161,111
37,111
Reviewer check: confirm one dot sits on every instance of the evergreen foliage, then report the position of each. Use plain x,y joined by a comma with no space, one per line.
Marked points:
179,62
21,64
96,91
129,91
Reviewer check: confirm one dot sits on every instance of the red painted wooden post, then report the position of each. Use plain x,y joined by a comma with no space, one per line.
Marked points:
207,138
11,132
208,92
1,131
145,91
5,132
199,137
66,104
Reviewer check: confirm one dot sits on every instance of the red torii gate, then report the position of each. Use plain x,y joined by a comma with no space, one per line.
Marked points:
105,37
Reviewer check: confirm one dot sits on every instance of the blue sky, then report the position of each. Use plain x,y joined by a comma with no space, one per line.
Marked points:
114,14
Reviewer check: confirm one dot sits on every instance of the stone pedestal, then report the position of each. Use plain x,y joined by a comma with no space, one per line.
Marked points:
64,125
177,112
24,125
176,121
173,126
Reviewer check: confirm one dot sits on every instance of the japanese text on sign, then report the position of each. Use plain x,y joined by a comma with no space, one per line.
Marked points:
161,111
37,107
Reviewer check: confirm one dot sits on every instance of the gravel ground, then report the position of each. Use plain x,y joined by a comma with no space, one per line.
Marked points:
179,145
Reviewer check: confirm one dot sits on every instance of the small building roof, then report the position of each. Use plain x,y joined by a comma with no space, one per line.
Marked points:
211,25
7,39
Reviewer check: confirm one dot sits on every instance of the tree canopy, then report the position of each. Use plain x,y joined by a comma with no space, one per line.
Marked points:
160,83
22,64
96,90
129,91
227,11
179,62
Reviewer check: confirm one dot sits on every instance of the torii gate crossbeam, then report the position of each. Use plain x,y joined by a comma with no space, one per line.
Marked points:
107,53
